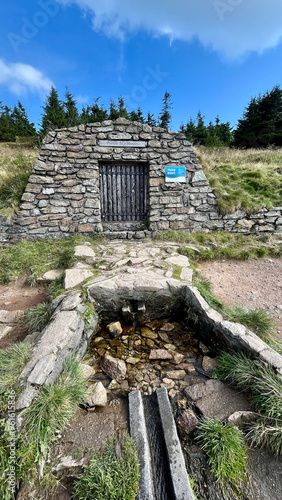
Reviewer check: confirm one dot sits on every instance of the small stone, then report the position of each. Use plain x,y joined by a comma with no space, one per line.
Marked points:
113,385
170,347
50,276
241,418
96,395
148,334
87,371
115,328
160,354
168,381
176,374
209,364
205,350
177,357
182,404
138,342
172,393
83,251
132,361
115,368
187,421
167,327
98,339
187,366
164,337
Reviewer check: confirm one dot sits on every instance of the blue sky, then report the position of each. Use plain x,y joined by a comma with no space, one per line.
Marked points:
212,55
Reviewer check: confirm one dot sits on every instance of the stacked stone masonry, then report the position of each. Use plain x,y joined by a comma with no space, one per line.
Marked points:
62,196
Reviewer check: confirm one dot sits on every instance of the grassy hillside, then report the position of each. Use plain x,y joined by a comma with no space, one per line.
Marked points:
16,163
243,179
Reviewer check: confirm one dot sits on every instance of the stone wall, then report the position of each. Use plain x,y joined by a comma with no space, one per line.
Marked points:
62,196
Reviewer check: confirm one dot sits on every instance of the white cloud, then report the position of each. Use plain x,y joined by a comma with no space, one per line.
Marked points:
82,99
22,78
232,27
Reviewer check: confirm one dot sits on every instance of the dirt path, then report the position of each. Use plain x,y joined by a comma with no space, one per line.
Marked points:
256,284
19,297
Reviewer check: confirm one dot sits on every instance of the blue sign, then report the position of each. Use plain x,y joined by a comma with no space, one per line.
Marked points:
175,174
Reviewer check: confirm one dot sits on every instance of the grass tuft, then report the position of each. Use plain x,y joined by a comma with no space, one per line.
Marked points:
109,477
12,361
226,450
265,389
51,411
37,317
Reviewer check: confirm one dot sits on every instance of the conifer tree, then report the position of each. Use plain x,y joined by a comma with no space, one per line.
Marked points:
71,111
165,115
261,123
53,113
150,120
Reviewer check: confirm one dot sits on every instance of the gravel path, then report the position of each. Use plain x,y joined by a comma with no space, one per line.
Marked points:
256,284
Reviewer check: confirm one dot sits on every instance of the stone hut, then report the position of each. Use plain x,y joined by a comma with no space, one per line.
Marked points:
124,179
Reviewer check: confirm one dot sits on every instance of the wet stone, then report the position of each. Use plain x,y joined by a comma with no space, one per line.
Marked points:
148,333
115,329
208,364
176,374
160,354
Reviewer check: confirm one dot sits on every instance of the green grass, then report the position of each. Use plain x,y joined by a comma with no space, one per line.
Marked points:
109,477
5,493
12,361
50,413
226,450
265,390
15,169
37,317
223,245
33,258
243,180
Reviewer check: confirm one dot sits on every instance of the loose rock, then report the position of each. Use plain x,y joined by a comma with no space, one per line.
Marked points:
115,328
115,368
187,421
96,395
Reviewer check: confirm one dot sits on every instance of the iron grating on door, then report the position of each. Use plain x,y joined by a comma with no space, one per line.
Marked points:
123,190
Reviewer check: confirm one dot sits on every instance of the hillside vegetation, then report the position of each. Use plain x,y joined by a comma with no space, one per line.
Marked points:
241,179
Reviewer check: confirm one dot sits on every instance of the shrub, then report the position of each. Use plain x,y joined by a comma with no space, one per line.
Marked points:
226,451
110,477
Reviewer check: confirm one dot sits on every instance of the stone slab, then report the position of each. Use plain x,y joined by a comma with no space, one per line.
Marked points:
4,330
139,434
179,476
74,277
178,260
10,316
83,251
216,400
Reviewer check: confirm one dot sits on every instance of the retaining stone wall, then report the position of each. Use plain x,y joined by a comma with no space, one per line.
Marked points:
63,193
